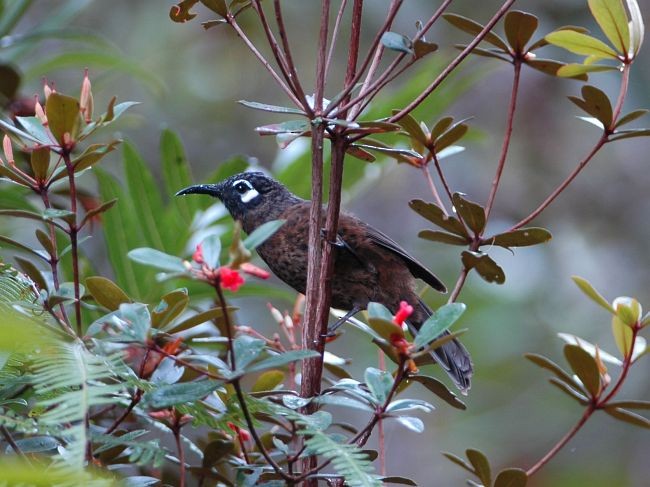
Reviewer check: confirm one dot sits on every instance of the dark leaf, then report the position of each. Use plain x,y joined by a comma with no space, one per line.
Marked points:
439,389
98,210
484,265
489,53
551,67
412,127
597,104
397,42
9,82
18,245
569,390
197,319
481,465
401,155
62,115
519,27
440,127
511,477
422,48
106,292
28,267
629,404
437,323
472,213
359,153
379,382
628,417
451,136
548,364
15,176
40,162
630,117
435,215
520,238
459,461
31,216
180,393
45,241
443,237
216,450
397,480
217,6
627,134
474,28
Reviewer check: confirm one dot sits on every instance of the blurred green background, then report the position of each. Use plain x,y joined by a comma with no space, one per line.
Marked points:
189,80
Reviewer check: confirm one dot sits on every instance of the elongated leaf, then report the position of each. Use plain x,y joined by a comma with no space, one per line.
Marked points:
439,389
459,461
180,393
262,233
440,127
246,349
176,176
472,213
579,43
34,127
288,127
585,367
45,217
270,108
612,19
359,153
157,259
586,287
28,267
106,292
552,67
548,364
443,237
379,382
170,307
481,465
282,359
436,324
629,404
630,117
412,127
422,48
451,136
628,417
474,28
435,215
627,134
98,210
26,248
579,71
511,477
197,319
637,28
519,27
520,238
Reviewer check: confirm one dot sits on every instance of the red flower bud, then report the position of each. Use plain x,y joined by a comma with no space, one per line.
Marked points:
254,271
230,279
405,310
197,256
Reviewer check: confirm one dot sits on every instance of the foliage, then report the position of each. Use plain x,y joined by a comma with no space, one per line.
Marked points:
92,367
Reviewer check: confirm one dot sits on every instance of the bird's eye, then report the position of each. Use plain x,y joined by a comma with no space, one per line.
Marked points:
242,187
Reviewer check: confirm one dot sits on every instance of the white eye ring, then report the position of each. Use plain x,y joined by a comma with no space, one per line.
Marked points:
248,195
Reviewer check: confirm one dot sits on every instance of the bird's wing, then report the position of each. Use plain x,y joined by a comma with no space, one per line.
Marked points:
417,269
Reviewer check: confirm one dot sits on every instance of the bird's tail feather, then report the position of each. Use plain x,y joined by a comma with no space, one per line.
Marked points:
452,357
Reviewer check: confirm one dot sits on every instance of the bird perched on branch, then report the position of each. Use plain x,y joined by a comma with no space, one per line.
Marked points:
368,265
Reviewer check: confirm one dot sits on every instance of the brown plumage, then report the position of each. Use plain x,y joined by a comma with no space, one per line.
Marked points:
368,265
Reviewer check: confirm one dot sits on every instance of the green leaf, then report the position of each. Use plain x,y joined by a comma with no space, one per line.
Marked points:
520,238
40,162
180,393
443,237
270,108
170,307
378,310
439,389
612,19
262,233
387,330
622,335
574,392
412,127
28,267
157,259
484,265
582,44
440,127
106,292
62,115
519,27
630,117
585,367
472,213
552,67
282,359
586,287
437,323
288,127
197,319
176,175
31,216
380,382
481,465
628,416
579,71
246,350
268,381
511,477
435,215
399,154
211,247
138,321
34,127
474,28
217,6
459,461
397,42
359,153
451,136
398,480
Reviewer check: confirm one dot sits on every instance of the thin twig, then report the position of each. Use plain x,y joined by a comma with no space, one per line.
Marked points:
434,190
181,453
73,232
335,35
12,443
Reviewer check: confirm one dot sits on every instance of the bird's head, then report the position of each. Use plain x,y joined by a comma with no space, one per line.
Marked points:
246,192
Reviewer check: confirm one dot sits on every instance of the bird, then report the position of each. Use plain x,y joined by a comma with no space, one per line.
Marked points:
369,266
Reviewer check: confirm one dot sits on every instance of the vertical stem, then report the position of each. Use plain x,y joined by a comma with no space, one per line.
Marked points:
506,138
181,454
74,231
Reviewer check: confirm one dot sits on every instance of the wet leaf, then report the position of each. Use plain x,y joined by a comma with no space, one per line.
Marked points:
628,416
484,265
520,238
612,19
481,465
630,117
511,477
439,389
519,28
157,259
443,237
40,162
380,382
270,108
579,43
397,42
437,323
180,393
422,48
268,381
435,215
170,307
585,367
474,28
106,292
62,115
586,287
472,213
262,233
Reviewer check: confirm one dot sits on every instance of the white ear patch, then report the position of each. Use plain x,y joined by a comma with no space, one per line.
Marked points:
245,189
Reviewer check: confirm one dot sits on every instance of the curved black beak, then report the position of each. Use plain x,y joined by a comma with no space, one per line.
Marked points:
211,189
